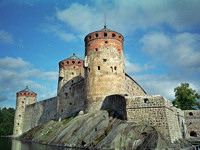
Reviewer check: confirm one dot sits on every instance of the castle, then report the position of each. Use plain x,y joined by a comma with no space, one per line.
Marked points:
99,83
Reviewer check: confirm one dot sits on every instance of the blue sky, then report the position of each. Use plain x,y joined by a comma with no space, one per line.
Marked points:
161,47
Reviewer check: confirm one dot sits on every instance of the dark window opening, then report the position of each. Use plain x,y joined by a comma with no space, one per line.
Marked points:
119,36
60,78
98,67
70,103
23,102
96,129
105,34
74,67
19,115
193,133
88,45
17,130
69,88
106,42
62,110
190,113
111,69
104,60
115,68
89,37
96,49
73,62
89,69
80,74
62,63
79,62
22,106
18,124
96,35
113,35
72,81
146,101
67,62
66,94
72,73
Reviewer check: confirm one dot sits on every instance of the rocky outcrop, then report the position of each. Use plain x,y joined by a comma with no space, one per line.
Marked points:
98,129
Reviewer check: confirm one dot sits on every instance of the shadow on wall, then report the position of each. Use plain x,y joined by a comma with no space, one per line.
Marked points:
116,106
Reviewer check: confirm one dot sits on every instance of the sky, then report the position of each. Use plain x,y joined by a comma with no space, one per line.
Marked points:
161,42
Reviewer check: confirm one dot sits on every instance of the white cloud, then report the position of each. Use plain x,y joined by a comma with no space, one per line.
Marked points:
16,74
127,16
6,37
179,51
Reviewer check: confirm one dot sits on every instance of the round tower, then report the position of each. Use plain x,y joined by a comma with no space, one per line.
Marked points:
68,69
104,66
24,97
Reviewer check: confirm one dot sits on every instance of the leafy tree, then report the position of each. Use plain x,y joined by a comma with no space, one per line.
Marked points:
6,121
186,98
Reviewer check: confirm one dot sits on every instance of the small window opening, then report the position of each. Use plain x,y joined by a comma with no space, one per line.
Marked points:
115,68
146,101
62,110
69,88
72,73
96,49
106,42
62,63
17,123
23,102
79,62
89,37
80,74
19,115
96,35
111,69
190,113
73,62
70,103
95,129
67,62
193,133
17,130
66,94
89,69
72,81
113,35
98,67
105,34
88,45
104,60
119,36
22,106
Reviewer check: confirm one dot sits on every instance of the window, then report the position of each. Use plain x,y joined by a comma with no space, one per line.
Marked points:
74,67
79,62
89,37
72,81
66,94
72,73
105,34
19,115
190,113
89,69
115,68
62,110
17,123
98,67
104,60
146,101
67,62
70,103
113,35
96,49
96,35
23,102
120,37
111,69
73,62
106,42
62,63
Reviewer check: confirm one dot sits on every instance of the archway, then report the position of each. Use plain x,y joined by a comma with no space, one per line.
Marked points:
116,106
193,133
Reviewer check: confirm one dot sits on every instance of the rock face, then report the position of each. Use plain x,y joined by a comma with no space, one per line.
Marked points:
99,129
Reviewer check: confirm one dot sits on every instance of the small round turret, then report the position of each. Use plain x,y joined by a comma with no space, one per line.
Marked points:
24,97
68,69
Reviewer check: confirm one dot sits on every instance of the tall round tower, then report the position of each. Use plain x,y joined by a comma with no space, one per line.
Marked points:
24,97
68,69
104,66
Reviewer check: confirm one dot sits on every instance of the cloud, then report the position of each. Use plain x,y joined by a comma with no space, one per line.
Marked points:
130,15
6,37
132,68
180,51
16,74
59,32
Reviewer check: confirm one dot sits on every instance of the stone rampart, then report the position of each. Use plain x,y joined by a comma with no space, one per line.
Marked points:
192,119
39,112
156,111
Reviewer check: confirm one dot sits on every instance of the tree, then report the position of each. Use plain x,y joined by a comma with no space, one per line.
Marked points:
186,98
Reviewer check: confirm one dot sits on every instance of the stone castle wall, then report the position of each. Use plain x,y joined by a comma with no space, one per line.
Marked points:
192,119
132,88
71,98
39,112
156,111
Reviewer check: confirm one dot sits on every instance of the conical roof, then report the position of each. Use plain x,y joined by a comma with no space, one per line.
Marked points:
27,90
74,57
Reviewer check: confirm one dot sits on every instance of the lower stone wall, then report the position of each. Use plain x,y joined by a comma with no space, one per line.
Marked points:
192,119
152,110
39,112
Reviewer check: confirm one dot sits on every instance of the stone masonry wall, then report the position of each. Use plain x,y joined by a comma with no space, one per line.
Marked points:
71,98
39,112
156,111
192,119
132,88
